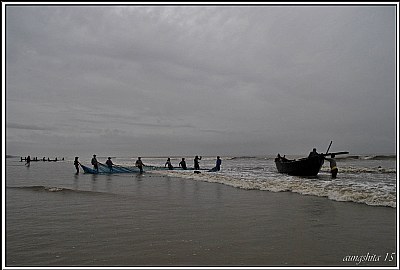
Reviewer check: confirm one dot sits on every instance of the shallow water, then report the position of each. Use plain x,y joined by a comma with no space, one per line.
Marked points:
57,218
369,180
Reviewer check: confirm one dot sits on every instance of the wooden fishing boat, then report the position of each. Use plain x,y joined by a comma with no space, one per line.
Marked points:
309,166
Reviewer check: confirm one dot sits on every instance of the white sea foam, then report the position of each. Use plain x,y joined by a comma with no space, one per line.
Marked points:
352,169
369,180
377,194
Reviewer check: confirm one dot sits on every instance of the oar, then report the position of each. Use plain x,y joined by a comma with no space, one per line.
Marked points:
329,147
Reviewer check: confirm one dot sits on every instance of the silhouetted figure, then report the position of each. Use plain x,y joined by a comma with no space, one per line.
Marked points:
280,158
183,164
332,164
313,153
109,164
28,161
139,164
95,163
196,163
76,163
170,167
217,165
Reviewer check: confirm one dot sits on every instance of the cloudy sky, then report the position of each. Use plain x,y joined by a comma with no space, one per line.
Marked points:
207,80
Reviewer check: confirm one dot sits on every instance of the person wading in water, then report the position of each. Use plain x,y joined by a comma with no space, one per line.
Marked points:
95,163
332,164
139,164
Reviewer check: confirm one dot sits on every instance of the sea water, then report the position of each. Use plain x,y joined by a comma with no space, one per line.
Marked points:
57,217
367,179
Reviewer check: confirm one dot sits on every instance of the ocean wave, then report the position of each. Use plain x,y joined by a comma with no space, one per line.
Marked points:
369,157
357,193
351,169
250,157
53,189
381,157
42,188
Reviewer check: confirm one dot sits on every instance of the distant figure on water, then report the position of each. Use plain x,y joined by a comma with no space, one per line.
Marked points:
109,164
95,163
139,164
182,164
170,167
217,165
313,153
28,161
332,164
76,163
196,163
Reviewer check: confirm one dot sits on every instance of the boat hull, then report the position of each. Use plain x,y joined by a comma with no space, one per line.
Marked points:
302,167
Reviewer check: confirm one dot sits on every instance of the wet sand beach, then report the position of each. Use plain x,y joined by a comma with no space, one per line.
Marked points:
153,220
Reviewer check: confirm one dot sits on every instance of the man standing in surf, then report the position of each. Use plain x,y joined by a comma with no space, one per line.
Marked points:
196,163
95,163
139,164
332,164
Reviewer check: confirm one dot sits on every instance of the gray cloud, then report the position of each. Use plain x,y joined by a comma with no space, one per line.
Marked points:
214,79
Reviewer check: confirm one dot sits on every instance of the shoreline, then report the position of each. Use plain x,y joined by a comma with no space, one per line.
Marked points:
153,220
299,189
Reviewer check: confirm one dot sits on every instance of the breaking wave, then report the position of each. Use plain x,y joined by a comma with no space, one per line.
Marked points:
370,157
250,157
42,188
333,190
54,189
351,169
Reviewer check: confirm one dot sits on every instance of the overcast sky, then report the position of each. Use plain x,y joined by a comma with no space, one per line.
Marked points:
207,80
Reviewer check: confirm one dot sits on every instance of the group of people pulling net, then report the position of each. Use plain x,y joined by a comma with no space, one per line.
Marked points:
110,167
